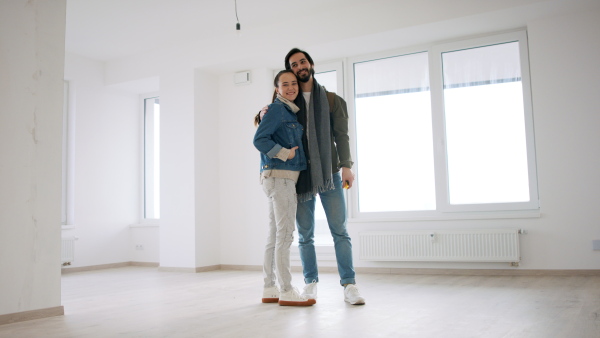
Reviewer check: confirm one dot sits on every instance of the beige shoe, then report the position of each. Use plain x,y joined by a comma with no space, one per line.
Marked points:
270,295
293,298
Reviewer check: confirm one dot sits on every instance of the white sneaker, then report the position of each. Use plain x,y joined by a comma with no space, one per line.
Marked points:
293,298
270,295
310,290
352,295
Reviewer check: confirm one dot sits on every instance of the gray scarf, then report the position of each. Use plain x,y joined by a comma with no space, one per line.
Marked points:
318,177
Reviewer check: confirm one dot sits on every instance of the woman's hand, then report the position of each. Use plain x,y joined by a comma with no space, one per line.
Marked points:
292,153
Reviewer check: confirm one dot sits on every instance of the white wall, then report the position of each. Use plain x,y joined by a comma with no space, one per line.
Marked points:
31,86
178,217
564,51
106,169
243,203
144,243
564,54
207,164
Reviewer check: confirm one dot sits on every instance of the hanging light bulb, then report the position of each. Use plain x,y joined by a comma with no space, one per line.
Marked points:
238,27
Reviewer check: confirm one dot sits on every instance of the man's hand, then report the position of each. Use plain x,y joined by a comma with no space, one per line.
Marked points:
263,111
347,177
292,153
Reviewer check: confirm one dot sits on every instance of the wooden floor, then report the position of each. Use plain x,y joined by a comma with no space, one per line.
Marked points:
143,302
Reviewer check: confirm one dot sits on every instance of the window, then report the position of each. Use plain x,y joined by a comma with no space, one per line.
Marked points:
328,79
484,125
393,123
151,143
445,130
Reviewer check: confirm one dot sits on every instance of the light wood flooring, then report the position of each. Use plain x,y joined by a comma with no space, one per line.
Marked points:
145,302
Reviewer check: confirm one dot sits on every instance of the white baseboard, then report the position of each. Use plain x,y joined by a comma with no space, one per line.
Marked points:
365,270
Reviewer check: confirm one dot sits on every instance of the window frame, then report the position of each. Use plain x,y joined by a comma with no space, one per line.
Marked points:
142,190
338,67
444,210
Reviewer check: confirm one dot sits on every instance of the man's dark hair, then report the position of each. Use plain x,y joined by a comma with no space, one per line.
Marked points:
294,51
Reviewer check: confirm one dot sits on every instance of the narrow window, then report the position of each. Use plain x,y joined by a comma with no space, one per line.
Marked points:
152,158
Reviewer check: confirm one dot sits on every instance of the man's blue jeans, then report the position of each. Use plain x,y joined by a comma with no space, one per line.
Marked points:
334,205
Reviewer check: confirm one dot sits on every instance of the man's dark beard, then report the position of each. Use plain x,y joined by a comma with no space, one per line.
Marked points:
311,72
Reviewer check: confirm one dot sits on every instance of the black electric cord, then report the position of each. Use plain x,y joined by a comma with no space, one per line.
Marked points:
237,25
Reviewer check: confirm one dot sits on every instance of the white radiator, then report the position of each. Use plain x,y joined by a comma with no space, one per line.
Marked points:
442,246
67,252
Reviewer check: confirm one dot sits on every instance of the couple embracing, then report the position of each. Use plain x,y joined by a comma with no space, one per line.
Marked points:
305,150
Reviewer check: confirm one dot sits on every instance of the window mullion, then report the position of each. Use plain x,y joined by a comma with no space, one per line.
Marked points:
439,133
529,126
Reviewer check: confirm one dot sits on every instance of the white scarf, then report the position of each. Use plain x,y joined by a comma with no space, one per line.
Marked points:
289,103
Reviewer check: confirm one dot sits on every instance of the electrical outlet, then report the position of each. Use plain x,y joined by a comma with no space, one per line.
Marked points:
139,247
596,244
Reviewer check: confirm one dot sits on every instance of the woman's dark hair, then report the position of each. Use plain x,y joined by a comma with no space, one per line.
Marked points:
276,84
294,51
257,119
281,72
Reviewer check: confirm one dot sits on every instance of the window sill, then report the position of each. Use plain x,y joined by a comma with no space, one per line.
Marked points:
149,225
447,216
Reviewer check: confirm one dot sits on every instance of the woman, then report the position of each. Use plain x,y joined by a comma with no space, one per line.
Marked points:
282,157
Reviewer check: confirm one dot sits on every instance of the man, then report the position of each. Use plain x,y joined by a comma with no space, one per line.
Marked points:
327,147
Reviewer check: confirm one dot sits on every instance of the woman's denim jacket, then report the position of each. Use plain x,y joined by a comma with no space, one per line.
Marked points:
279,128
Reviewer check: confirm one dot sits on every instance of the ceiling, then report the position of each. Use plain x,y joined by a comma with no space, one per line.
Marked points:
106,30
201,33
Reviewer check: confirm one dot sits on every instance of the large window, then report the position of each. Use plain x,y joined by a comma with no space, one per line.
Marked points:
394,134
151,158
484,124
446,129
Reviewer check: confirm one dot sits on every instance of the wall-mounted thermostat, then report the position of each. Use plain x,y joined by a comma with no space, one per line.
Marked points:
241,78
